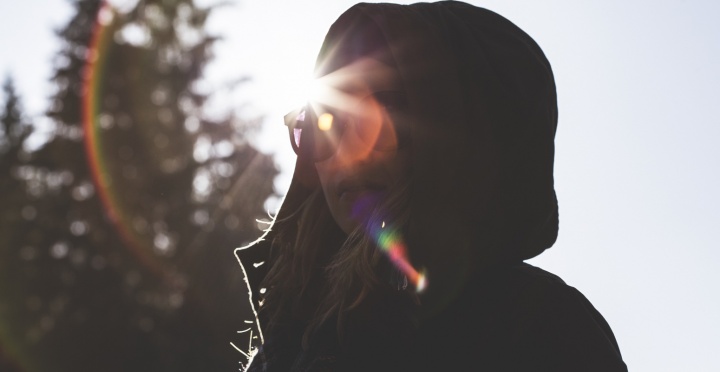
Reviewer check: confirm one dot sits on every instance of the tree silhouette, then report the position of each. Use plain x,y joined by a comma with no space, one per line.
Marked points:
13,213
14,130
117,234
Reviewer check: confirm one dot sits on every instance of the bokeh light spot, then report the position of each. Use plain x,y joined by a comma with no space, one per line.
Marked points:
79,228
325,121
28,253
29,212
59,250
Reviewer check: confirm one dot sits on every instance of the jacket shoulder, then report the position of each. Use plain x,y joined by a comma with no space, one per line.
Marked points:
519,317
556,323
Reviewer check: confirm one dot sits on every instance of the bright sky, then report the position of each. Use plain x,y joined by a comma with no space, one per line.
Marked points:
637,157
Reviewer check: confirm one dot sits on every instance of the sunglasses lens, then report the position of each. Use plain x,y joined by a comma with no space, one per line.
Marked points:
296,137
315,136
318,135
294,121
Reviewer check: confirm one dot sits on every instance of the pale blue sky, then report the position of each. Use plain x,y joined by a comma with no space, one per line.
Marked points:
637,156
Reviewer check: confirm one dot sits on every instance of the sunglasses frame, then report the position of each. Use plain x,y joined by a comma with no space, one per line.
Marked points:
309,123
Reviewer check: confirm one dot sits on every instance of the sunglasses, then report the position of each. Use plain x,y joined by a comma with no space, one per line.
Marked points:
316,130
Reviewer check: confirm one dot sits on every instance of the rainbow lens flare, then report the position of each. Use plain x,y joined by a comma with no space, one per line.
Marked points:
139,246
390,242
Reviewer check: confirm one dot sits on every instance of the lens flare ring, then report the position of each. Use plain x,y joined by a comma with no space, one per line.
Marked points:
139,246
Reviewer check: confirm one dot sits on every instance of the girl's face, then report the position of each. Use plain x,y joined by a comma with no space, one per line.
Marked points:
371,154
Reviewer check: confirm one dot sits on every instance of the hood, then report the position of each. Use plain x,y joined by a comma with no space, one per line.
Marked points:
484,97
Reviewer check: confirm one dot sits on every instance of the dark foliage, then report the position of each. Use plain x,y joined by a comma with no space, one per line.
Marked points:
120,258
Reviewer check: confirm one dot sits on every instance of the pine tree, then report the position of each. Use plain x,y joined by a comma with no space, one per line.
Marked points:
127,262
14,129
13,216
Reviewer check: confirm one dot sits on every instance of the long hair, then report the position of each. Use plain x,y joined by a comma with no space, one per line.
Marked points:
319,273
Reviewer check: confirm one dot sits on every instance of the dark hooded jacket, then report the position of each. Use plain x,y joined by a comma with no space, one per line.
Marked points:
482,202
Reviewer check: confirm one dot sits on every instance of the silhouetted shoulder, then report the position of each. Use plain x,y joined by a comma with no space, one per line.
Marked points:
522,318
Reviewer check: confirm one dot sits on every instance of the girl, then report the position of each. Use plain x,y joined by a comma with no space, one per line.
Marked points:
424,179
